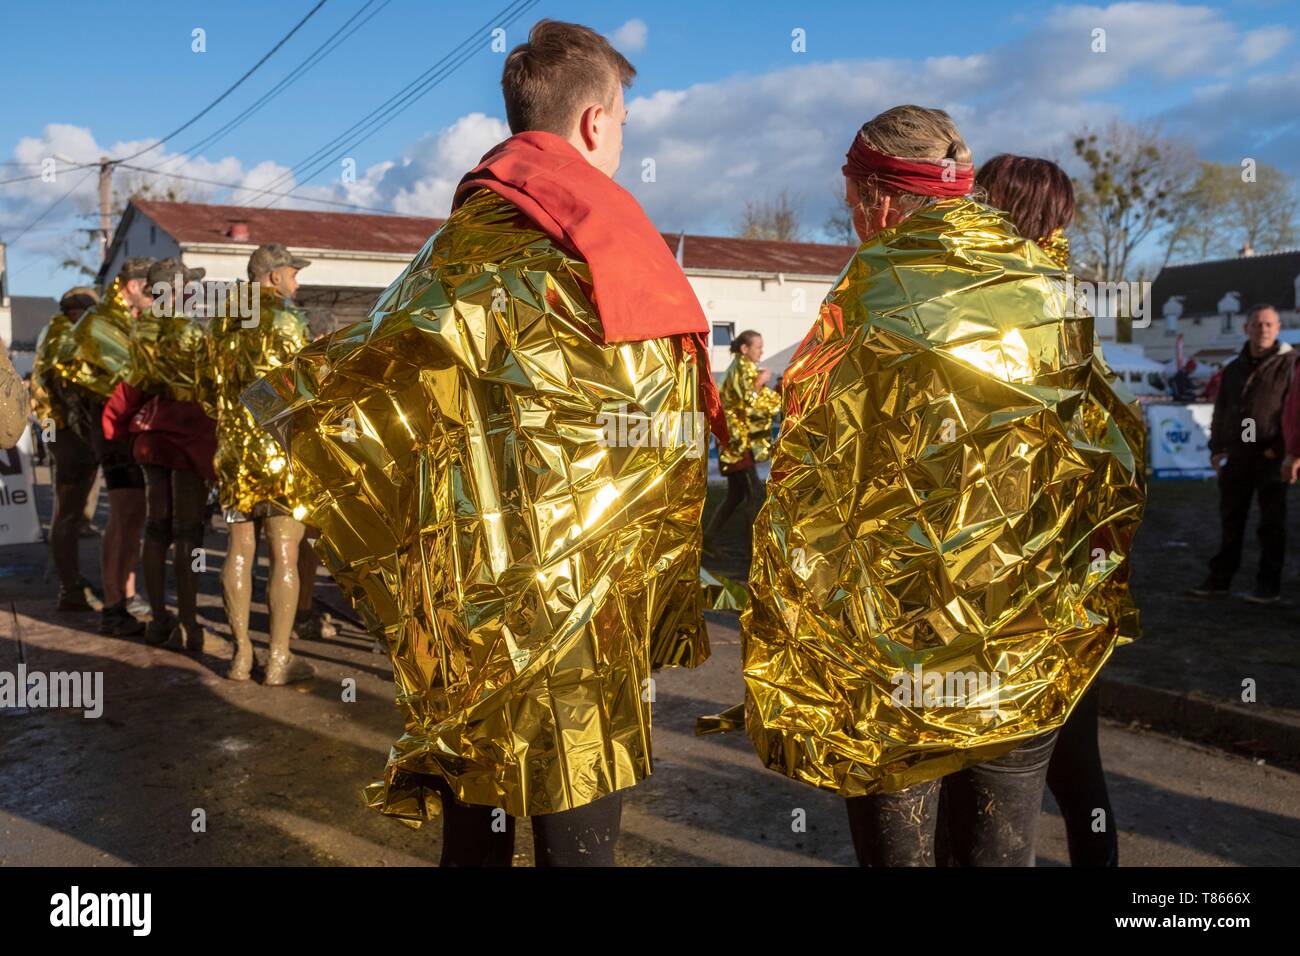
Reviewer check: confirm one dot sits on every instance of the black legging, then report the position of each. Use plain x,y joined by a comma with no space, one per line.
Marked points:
1078,783
475,835
175,500
985,815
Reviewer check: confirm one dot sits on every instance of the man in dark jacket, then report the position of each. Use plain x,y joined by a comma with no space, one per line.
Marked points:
1246,448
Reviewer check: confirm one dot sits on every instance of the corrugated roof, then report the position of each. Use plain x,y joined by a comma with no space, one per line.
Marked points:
366,232
1259,278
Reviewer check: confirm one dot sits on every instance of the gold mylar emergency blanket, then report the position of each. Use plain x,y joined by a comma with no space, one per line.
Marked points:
514,505
251,467
750,412
940,565
95,353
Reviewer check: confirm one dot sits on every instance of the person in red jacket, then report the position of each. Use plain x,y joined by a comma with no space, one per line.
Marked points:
1291,430
174,441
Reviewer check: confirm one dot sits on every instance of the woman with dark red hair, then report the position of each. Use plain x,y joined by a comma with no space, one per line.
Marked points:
1039,200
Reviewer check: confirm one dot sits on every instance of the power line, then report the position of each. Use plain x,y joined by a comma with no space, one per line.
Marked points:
402,99
49,209
311,60
41,175
213,182
234,86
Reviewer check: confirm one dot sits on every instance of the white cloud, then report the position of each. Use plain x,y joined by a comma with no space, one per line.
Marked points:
746,137
422,181
1264,44
630,37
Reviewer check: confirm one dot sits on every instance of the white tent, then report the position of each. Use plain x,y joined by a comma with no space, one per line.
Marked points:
1132,366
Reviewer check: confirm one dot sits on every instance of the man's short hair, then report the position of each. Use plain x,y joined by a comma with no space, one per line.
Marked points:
1260,307
560,69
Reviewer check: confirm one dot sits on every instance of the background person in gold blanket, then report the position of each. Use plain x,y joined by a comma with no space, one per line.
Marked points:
252,471
172,440
937,567
74,461
93,358
750,406
496,462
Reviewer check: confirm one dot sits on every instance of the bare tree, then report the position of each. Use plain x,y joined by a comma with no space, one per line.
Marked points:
83,254
1262,208
778,218
838,226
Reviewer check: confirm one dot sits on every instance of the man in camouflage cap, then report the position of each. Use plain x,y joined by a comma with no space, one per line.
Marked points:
252,471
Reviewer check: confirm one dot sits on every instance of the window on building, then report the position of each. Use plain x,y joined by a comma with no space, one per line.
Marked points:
723,333
153,235
1227,324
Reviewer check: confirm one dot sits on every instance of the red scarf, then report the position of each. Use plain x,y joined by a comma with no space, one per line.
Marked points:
920,177
638,288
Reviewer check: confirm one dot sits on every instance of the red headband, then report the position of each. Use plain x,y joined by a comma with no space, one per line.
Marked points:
923,178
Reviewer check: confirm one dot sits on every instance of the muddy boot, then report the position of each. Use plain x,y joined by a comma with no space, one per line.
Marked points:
311,625
283,667
241,667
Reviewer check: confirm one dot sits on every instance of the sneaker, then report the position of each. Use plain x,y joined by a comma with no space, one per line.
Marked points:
1209,589
138,606
1263,597
117,621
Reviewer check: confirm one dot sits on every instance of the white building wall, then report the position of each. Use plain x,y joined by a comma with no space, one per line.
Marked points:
328,267
142,238
782,311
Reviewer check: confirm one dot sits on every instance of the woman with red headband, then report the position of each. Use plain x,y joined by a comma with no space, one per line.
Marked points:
938,566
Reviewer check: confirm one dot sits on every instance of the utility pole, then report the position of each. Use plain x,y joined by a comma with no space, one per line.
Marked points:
105,205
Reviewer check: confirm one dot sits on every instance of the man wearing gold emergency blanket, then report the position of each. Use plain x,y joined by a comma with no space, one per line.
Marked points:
506,466
939,568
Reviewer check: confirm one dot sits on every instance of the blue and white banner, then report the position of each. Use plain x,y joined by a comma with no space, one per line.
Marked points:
1179,440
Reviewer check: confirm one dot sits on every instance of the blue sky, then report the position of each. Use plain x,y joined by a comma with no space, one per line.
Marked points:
724,106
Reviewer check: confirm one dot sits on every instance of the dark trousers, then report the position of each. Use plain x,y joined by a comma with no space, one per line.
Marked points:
1078,783
986,815
744,487
1242,479
474,835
